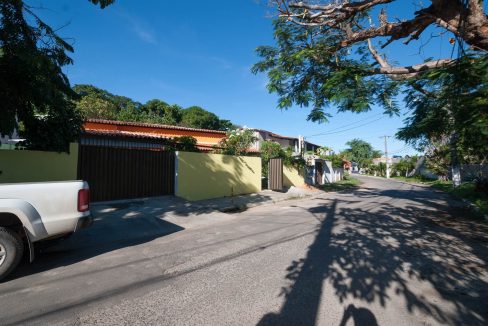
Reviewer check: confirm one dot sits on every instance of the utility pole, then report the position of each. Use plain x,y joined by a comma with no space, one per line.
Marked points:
386,156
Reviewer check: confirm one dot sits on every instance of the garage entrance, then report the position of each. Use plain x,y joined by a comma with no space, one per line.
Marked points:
121,169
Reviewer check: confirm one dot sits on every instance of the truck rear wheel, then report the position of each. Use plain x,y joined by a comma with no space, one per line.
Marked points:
11,251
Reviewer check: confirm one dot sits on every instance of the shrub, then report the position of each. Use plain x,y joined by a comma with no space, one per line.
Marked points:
481,185
237,142
185,144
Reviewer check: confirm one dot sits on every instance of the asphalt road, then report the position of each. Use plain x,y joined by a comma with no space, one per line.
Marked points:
386,253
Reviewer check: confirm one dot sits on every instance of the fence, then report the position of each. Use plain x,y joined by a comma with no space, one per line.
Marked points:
332,174
471,171
36,166
204,176
121,173
468,171
293,177
124,170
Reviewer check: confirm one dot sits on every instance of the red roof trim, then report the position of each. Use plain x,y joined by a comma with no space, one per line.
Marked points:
138,135
283,137
120,133
152,125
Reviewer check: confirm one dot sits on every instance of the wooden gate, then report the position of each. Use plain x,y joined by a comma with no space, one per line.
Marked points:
275,174
123,173
319,171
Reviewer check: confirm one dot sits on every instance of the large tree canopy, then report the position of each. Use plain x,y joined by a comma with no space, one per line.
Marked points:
97,103
327,52
196,117
451,101
34,92
361,152
162,112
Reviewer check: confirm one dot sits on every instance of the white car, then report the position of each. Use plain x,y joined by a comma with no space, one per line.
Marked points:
31,212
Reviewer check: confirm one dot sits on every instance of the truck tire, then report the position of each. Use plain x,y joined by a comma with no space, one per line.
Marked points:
11,251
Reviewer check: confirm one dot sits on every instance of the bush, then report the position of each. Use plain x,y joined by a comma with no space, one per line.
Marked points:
481,185
185,144
337,160
237,142
271,149
405,166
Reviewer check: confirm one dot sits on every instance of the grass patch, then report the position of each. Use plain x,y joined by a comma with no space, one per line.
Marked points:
347,183
465,191
416,178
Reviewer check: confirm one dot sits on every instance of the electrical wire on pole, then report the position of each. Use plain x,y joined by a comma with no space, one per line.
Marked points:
386,156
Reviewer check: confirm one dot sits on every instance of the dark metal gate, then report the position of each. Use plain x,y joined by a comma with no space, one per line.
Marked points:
275,174
123,173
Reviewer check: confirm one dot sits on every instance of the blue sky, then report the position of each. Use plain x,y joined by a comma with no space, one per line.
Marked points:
200,53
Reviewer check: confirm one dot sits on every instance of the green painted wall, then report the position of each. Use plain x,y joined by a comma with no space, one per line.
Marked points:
35,166
204,176
292,177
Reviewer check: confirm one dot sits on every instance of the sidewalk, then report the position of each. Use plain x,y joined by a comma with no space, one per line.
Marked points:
265,197
186,214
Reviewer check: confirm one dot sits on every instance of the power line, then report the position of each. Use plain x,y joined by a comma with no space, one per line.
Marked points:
368,136
344,130
346,125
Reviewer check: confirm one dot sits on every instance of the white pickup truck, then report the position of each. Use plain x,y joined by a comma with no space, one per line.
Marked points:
33,212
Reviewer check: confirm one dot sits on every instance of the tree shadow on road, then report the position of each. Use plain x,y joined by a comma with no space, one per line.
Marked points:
360,316
381,251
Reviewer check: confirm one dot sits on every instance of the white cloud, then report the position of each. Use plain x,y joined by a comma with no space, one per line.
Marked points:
221,62
144,32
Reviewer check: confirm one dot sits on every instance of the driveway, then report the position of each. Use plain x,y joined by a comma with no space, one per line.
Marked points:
385,253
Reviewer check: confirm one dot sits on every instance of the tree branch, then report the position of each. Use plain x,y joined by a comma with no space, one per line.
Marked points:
407,72
415,69
470,23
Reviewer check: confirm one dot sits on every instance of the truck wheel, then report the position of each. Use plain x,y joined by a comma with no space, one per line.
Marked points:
11,251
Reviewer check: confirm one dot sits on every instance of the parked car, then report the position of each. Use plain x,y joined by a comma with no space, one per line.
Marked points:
34,212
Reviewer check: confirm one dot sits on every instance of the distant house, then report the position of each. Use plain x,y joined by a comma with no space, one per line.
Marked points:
310,147
298,144
284,141
9,142
125,131
391,160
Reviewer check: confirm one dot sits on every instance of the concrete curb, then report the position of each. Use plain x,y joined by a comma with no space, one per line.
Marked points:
244,206
241,204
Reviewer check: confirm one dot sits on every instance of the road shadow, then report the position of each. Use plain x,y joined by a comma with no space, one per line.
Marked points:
307,274
125,223
359,316
180,207
109,232
381,250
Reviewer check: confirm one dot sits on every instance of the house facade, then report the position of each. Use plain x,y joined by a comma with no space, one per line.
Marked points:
382,159
284,141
